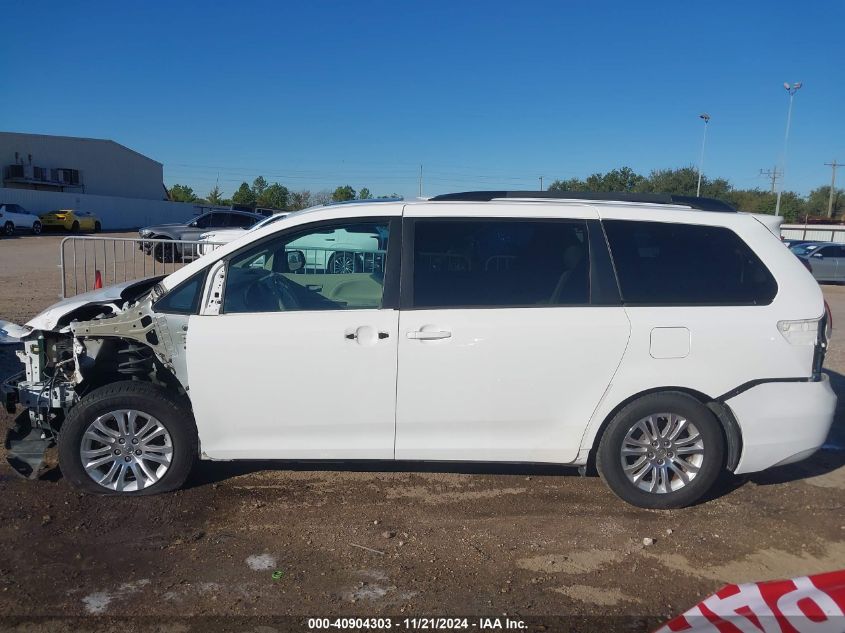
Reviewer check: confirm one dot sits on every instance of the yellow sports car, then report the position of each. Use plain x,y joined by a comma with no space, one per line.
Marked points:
71,220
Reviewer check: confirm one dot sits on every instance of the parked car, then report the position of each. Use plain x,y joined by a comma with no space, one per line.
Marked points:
191,231
340,251
825,260
72,220
13,217
664,339
802,249
224,236
789,243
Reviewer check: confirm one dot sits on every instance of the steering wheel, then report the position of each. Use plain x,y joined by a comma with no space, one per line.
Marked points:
271,292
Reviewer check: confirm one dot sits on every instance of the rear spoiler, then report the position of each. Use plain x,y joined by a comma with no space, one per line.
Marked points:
771,222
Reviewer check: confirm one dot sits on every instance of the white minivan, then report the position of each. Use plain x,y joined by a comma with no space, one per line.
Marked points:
664,339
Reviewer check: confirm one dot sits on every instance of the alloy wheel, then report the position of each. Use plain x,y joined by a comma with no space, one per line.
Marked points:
662,453
343,263
126,450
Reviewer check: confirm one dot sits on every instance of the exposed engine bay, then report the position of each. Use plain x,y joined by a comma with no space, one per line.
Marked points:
83,343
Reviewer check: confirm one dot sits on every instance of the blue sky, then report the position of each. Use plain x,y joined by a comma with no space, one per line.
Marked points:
482,94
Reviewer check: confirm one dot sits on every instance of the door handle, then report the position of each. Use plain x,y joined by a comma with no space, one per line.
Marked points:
429,335
354,335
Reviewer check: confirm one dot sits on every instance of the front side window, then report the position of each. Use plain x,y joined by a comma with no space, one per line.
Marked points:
500,263
336,267
659,263
203,222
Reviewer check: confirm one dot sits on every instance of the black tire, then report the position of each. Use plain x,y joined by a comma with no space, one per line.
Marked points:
97,227
74,228
36,228
165,252
609,456
9,229
170,410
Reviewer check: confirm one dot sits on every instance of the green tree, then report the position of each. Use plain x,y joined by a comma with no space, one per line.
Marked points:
299,200
364,194
624,179
244,195
819,198
215,196
572,184
341,194
274,196
182,193
259,186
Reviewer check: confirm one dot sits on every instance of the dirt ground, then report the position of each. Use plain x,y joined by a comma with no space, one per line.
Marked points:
399,539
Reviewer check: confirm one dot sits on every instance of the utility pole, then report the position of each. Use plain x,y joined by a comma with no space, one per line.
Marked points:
772,175
420,181
833,167
541,183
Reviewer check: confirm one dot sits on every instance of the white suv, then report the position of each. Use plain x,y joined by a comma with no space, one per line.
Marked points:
13,217
664,339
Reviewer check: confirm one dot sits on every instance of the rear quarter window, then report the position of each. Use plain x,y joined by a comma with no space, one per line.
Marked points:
660,263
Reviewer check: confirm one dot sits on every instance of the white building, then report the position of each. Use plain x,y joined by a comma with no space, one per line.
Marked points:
124,188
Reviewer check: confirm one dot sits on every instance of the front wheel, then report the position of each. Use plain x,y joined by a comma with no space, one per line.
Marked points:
662,451
128,438
97,227
9,228
36,228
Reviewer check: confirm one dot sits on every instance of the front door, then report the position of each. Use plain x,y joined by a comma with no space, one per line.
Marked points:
503,355
301,361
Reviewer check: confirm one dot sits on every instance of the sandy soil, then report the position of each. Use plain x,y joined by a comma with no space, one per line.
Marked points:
398,539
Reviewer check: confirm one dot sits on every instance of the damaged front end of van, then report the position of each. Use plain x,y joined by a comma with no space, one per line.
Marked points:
77,345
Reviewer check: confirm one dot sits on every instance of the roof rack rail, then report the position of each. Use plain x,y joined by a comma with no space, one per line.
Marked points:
364,201
702,204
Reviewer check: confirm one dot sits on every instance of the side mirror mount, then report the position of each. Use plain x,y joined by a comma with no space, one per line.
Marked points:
296,261
817,255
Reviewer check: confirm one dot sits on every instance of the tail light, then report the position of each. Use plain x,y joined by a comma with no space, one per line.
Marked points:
802,332
828,322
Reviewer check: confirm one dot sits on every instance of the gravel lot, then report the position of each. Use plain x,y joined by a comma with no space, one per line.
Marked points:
443,540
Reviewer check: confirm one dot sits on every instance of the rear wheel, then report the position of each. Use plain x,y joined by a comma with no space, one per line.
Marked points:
9,228
129,438
97,227
74,228
36,228
344,263
662,451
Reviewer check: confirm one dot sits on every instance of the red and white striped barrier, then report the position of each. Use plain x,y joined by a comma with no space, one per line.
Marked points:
809,604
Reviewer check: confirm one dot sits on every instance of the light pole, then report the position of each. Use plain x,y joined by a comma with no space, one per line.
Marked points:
706,118
791,89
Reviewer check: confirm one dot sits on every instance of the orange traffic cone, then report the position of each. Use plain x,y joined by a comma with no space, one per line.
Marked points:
98,280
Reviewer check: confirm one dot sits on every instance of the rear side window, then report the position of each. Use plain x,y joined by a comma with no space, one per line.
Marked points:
500,263
659,263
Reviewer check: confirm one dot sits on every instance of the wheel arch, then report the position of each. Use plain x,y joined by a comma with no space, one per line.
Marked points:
723,413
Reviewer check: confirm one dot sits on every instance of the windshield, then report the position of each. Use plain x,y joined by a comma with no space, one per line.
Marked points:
804,249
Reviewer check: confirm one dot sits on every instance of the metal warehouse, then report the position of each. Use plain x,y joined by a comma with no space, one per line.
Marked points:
78,165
